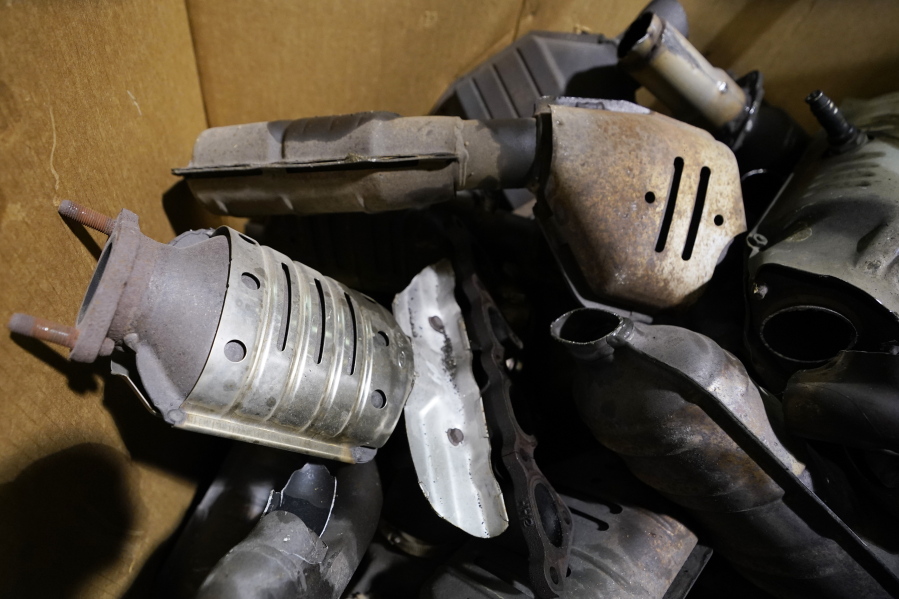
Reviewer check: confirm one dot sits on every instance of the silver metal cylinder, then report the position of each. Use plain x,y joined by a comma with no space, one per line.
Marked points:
661,59
299,362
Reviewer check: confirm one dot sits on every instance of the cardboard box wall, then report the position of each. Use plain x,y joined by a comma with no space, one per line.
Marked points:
99,99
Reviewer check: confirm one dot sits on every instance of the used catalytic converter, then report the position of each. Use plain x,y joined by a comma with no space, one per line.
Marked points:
362,162
644,204
218,334
648,392
823,274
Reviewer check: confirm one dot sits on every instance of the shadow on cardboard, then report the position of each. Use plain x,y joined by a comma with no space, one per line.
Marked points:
63,520
151,440
80,231
185,212
82,378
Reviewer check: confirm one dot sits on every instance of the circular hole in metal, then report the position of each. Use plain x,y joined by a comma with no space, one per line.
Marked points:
585,325
378,399
650,197
455,436
382,339
807,334
719,220
95,280
554,574
235,350
436,323
250,281
549,515
568,573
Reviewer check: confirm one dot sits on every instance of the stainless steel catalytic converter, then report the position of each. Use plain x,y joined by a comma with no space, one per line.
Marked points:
219,334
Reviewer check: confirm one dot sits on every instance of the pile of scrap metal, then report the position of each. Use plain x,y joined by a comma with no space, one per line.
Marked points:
717,409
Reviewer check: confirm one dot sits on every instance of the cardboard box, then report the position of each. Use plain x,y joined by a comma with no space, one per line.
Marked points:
99,100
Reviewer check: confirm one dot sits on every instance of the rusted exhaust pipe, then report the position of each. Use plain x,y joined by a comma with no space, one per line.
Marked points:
639,388
661,59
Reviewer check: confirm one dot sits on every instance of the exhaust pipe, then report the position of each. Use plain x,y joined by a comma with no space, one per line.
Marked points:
660,58
640,388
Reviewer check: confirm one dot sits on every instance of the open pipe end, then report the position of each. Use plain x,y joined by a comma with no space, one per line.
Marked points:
586,332
646,28
807,334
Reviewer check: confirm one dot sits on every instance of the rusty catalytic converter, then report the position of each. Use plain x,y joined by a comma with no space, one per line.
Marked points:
219,334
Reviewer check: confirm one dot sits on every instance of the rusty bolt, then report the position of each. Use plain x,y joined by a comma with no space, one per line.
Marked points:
86,216
43,329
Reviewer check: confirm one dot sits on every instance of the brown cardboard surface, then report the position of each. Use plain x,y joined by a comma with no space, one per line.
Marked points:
285,59
98,100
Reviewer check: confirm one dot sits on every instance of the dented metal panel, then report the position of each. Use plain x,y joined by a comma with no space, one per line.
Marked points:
445,420
647,204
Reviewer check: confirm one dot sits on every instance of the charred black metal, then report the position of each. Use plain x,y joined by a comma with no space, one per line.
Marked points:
283,558
309,494
853,401
626,543
227,512
688,421
535,509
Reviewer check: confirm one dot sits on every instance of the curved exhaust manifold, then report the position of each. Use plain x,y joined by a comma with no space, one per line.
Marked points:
640,388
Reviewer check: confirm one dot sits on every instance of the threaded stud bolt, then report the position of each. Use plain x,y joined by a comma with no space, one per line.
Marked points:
841,134
43,329
87,217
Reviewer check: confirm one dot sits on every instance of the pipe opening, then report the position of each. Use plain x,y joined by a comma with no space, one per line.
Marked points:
634,34
549,514
586,325
807,334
